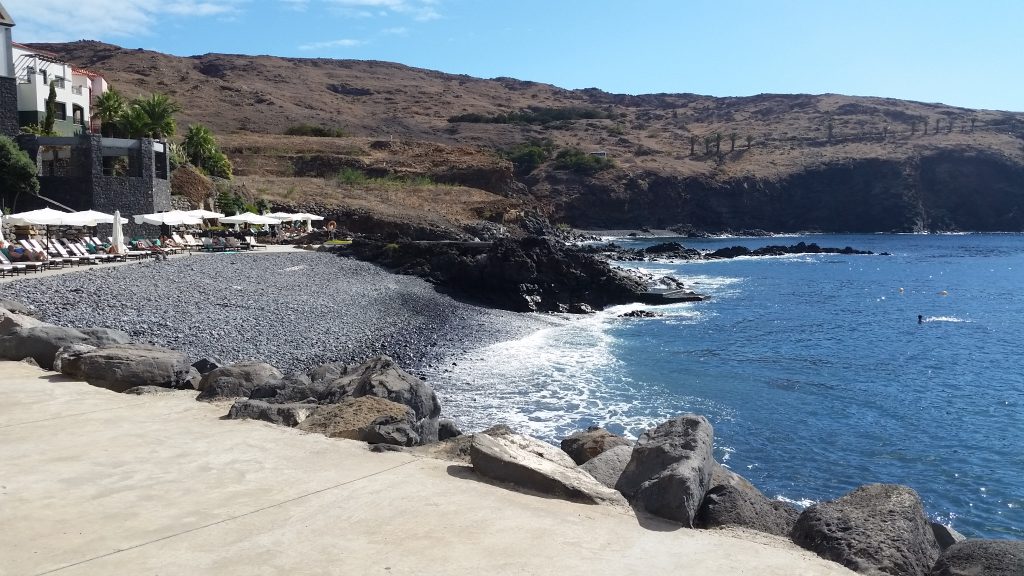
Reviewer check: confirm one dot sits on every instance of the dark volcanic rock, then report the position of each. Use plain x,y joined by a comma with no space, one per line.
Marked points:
208,364
123,366
532,274
17,307
876,529
391,430
587,444
11,320
607,466
282,414
946,536
447,429
41,343
981,558
733,501
798,248
670,468
236,380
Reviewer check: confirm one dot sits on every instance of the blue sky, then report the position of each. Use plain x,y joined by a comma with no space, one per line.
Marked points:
965,53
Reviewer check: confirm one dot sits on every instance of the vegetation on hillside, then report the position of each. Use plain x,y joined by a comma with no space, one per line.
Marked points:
17,171
316,131
201,150
535,115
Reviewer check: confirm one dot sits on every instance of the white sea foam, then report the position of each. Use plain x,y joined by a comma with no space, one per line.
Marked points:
801,503
953,319
558,380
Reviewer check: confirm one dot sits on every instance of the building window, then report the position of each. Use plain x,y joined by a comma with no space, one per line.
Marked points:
78,114
62,110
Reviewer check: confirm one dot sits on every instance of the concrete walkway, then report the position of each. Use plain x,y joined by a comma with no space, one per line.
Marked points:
68,269
93,482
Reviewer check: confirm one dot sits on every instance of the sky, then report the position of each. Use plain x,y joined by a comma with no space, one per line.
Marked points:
959,52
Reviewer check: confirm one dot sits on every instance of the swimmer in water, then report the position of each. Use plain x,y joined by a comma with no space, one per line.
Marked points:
920,319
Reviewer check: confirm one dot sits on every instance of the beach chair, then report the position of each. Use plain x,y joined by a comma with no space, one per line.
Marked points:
182,242
51,262
129,254
63,247
80,249
210,246
22,267
56,250
254,244
193,242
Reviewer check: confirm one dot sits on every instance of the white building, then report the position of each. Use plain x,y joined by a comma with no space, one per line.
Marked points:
35,71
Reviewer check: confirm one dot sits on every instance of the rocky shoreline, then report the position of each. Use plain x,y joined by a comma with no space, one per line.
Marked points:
668,472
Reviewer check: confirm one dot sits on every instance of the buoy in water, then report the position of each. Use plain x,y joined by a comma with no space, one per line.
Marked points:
943,293
901,290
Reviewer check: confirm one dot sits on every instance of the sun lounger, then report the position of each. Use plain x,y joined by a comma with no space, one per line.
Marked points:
50,262
79,249
191,240
210,246
254,244
66,251
123,250
51,254
182,242
22,267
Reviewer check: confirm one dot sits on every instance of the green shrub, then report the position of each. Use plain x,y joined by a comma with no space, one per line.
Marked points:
351,176
528,156
311,130
535,115
578,161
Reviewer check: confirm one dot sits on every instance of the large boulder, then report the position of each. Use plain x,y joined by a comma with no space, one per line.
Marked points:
41,343
207,364
391,430
586,444
11,320
352,416
123,366
607,466
236,380
733,501
670,468
70,352
283,414
17,307
328,372
534,465
981,558
876,529
294,387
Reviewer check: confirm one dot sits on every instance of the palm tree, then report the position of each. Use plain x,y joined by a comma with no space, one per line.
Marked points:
108,108
732,141
159,111
199,145
749,140
134,123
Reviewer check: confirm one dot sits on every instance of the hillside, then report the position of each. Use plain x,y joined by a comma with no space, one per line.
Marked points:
778,162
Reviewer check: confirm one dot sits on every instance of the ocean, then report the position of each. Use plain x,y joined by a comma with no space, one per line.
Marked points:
813,369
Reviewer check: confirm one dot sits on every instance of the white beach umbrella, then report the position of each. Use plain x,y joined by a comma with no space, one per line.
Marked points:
171,218
308,219
42,217
92,218
117,238
249,218
282,216
1,231
204,214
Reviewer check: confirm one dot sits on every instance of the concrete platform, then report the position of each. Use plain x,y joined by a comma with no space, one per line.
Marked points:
93,482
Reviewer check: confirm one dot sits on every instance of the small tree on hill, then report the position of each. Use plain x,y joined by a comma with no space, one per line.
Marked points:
830,127
693,142
732,141
718,142
924,122
17,171
973,121
913,127
707,145
749,140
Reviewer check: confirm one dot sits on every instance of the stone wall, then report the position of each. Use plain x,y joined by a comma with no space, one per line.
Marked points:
8,107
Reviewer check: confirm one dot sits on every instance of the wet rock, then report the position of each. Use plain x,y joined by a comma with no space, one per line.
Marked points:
981,558
281,414
733,501
123,366
607,467
447,429
236,380
876,529
522,461
640,314
670,468
587,444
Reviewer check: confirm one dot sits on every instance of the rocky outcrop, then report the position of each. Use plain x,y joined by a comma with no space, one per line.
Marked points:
589,443
531,464
236,380
11,320
876,529
123,366
607,466
528,275
350,417
733,501
282,414
670,468
17,307
41,343
981,558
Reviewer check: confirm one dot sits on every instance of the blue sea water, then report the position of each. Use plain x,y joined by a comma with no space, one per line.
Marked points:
813,370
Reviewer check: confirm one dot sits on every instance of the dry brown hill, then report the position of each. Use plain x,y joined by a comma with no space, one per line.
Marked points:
778,162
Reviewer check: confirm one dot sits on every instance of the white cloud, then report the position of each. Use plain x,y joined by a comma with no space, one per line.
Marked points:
36,20
340,43
421,10
399,31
